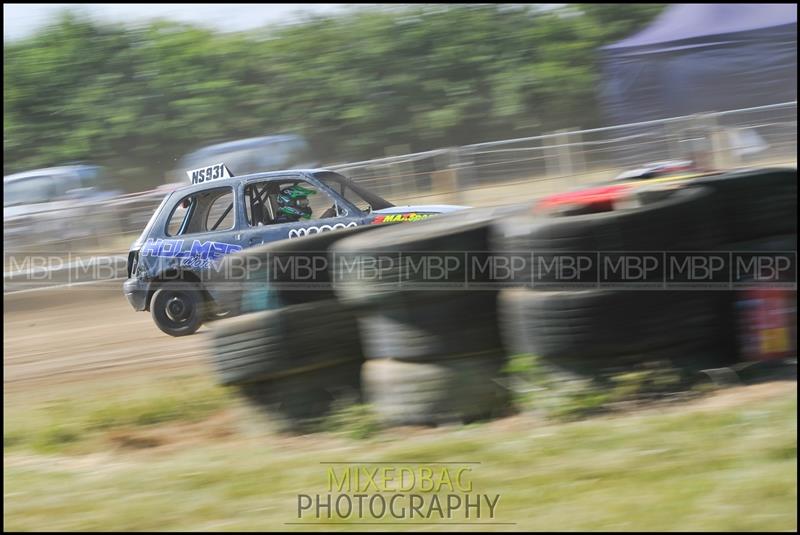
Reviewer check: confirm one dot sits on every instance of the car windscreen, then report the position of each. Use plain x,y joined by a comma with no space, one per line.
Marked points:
362,198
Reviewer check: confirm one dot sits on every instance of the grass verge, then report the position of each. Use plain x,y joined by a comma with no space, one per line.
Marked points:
74,422
705,465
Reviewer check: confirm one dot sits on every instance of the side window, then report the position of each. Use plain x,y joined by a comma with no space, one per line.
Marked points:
220,213
180,215
258,203
205,211
272,202
322,205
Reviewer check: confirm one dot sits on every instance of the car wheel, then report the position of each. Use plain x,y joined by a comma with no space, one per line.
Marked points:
177,311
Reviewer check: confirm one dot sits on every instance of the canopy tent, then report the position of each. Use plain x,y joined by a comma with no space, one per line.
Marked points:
702,57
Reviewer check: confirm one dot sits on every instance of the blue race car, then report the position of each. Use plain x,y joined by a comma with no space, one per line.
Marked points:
218,214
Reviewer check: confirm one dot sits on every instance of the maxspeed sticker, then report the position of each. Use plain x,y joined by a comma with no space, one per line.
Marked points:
399,218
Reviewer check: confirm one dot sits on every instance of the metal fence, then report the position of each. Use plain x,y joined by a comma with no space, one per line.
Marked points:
765,135
483,173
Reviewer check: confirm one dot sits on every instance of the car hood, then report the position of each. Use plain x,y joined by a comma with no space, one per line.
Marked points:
421,208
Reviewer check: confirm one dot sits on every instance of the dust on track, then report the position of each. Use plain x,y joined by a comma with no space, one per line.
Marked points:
70,335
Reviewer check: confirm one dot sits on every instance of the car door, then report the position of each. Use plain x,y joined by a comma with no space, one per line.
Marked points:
328,212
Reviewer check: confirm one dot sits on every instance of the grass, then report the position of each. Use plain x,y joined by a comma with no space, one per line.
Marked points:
695,466
73,423
356,421
563,395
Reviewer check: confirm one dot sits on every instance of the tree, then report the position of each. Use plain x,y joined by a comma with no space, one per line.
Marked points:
422,76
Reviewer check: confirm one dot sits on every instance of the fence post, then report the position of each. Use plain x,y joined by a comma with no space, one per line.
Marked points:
459,171
718,141
673,135
551,162
564,157
578,154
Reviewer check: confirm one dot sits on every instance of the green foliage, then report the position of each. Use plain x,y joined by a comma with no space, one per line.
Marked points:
62,424
356,421
422,76
567,396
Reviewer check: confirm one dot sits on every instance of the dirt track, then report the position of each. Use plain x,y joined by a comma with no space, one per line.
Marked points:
80,333
87,332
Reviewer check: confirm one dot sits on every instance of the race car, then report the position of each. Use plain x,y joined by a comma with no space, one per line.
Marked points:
604,196
196,225
658,169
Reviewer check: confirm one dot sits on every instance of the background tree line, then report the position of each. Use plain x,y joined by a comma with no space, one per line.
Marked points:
418,77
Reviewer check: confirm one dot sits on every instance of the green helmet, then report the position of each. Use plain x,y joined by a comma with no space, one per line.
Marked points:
293,203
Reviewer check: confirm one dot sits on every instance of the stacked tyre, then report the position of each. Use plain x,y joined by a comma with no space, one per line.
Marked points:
432,346
754,204
591,331
292,350
758,209
278,274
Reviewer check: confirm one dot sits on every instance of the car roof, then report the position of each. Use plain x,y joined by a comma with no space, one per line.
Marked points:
269,175
241,144
62,169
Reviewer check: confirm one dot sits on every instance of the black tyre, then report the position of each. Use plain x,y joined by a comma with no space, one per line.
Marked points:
178,309
597,329
784,243
311,250
372,268
266,345
430,326
301,402
261,278
451,391
755,203
681,221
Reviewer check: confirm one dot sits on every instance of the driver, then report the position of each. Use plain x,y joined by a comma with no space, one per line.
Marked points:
293,204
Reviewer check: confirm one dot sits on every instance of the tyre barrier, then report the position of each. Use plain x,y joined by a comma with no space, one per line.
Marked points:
754,325
272,343
293,363
434,355
372,268
423,328
592,331
785,242
587,331
459,390
682,221
754,203
299,402
263,277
